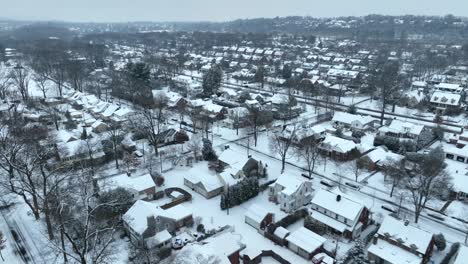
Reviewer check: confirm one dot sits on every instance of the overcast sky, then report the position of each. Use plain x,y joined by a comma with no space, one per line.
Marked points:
216,10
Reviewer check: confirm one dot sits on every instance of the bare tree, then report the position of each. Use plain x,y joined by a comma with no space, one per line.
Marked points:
195,145
115,134
280,143
5,81
148,124
386,80
429,180
353,167
41,82
20,77
396,171
87,238
257,118
309,152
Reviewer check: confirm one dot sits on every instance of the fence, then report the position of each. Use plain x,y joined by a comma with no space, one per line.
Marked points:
187,197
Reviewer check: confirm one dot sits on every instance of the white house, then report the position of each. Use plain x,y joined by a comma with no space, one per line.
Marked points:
403,130
341,214
342,119
290,192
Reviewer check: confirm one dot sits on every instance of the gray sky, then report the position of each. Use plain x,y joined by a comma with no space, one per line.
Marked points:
216,10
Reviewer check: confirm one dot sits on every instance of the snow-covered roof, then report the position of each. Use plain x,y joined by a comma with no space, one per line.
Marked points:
136,216
209,182
448,86
383,156
306,239
290,183
279,99
419,84
140,183
339,144
207,105
221,245
445,98
110,110
393,254
159,238
406,234
348,118
398,126
234,159
345,207
281,232
256,213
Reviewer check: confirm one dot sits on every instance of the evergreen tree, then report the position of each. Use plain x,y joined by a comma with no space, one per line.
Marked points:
440,242
356,255
212,80
207,152
287,72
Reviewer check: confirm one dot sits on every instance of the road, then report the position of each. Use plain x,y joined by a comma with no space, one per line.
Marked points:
22,245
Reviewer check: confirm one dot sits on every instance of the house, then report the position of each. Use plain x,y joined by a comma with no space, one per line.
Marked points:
339,213
224,247
166,137
305,243
237,117
378,158
354,122
283,108
406,130
258,217
461,256
445,100
144,220
111,108
306,134
141,187
449,87
121,115
207,185
238,166
99,126
290,192
80,151
399,242
460,186
338,148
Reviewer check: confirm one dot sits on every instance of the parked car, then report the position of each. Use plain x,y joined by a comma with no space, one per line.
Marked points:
353,185
389,208
327,183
